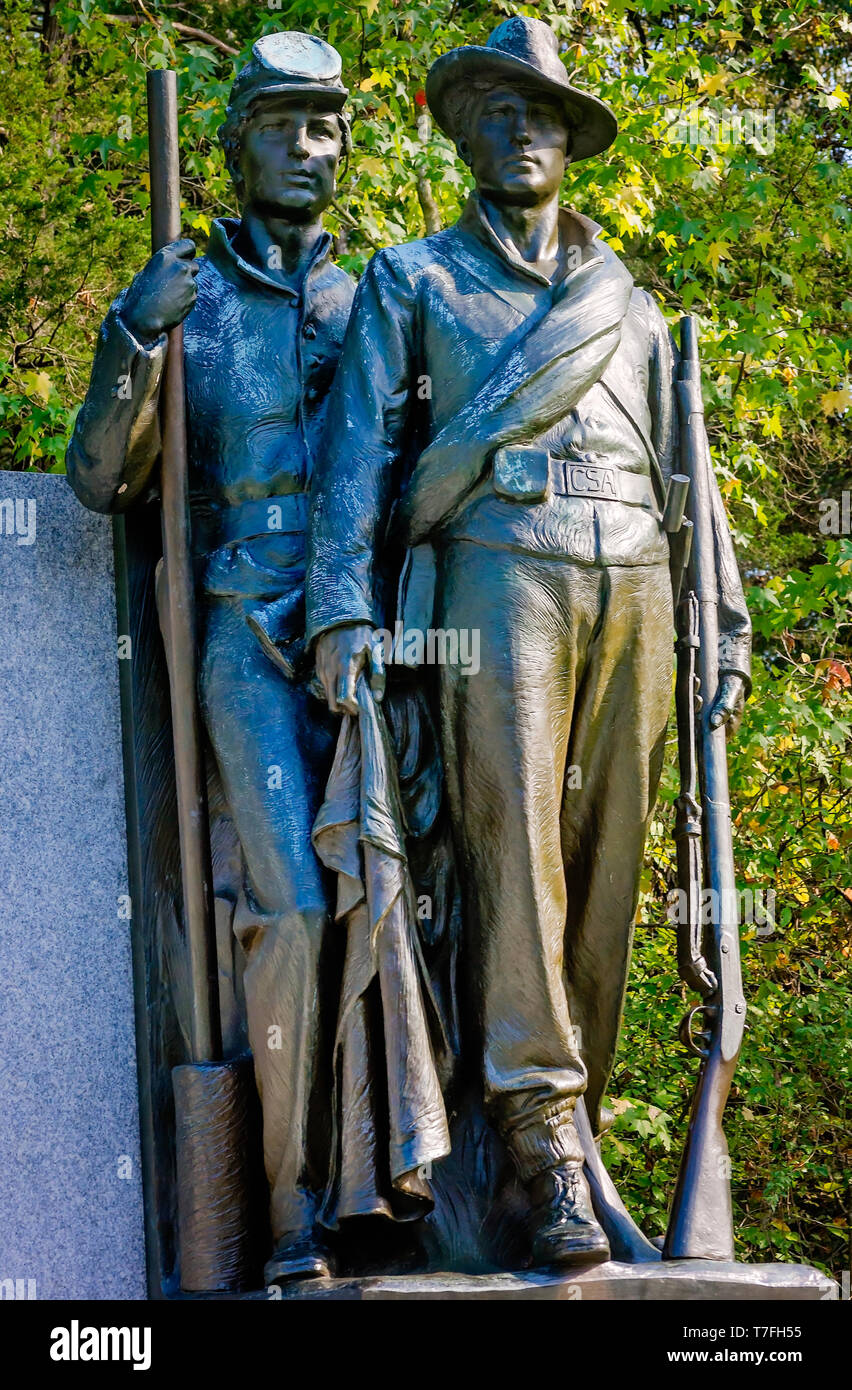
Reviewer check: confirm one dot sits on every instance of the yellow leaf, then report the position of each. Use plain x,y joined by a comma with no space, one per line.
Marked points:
714,83
730,36
826,241
369,82
36,384
834,401
717,251
371,164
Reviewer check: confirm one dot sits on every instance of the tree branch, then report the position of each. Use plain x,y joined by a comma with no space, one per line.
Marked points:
187,31
428,206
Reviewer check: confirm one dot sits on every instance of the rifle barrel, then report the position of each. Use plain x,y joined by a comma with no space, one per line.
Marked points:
700,1225
205,1027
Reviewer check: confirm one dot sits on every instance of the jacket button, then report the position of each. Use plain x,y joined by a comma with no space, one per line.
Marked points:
309,330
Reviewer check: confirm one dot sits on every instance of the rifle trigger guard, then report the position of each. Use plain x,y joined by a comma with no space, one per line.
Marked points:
688,1035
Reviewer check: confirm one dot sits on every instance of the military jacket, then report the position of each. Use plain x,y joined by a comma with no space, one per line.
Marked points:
259,358
430,321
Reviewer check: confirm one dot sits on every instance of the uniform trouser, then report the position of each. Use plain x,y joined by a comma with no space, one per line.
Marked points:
274,744
553,753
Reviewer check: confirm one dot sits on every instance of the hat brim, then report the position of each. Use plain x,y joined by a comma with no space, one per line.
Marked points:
593,124
332,97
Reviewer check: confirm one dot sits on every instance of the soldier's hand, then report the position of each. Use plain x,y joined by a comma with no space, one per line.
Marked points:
162,294
342,654
728,705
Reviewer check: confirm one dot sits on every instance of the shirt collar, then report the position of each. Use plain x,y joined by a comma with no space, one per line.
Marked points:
573,226
220,249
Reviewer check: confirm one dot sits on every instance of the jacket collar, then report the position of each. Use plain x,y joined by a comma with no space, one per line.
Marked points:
220,250
573,227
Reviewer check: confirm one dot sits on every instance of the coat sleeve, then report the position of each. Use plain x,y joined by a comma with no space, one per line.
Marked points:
364,443
734,621
116,437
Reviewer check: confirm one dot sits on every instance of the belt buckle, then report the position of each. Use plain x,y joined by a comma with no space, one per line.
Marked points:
522,473
590,480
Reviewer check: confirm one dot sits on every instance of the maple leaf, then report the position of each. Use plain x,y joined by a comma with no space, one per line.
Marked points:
714,83
833,402
837,676
717,251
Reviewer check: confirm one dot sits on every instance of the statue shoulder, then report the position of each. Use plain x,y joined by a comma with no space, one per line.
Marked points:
337,283
403,270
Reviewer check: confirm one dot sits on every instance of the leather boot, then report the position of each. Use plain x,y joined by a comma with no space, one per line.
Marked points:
302,1257
565,1229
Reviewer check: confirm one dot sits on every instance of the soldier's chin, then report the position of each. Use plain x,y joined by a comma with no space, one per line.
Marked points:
299,204
519,190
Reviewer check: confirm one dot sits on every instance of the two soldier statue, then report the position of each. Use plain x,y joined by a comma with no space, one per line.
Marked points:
519,496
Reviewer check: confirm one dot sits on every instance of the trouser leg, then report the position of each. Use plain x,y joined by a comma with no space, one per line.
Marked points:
505,734
575,678
617,745
273,744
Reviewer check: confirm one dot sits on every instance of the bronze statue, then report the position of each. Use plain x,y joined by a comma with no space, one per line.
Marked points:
498,456
264,311
532,470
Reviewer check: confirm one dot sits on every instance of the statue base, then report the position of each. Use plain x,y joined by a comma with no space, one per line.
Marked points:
666,1281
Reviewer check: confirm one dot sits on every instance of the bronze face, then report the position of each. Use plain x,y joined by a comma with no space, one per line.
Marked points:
517,146
288,160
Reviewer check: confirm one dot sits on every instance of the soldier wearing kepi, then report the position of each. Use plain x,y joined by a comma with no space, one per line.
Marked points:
265,314
535,466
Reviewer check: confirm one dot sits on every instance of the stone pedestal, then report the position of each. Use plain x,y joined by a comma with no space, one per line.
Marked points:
71,1211
666,1281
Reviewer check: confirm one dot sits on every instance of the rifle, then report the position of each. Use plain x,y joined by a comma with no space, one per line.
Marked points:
213,1097
701,1221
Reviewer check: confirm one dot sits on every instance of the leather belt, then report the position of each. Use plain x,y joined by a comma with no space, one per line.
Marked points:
214,526
602,484
530,473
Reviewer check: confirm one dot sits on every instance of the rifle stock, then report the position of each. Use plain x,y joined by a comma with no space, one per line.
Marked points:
701,1222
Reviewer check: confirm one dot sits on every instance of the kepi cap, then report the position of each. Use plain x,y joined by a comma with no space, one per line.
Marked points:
288,64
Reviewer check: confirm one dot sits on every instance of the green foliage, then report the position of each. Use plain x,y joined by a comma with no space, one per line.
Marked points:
753,236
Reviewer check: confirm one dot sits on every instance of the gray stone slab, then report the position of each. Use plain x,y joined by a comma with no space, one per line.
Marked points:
71,1210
